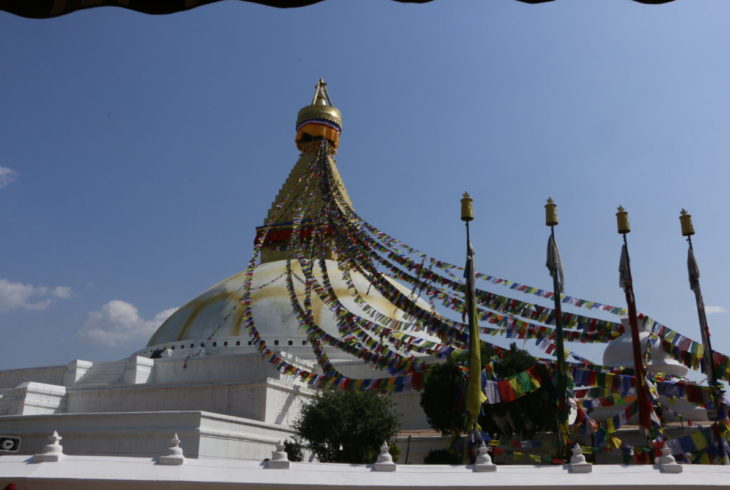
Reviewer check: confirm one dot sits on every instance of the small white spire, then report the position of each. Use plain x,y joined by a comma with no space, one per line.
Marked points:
666,462
484,461
52,452
385,460
279,459
174,454
578,461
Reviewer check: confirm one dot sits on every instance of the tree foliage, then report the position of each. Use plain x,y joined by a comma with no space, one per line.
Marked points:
442,398
347,426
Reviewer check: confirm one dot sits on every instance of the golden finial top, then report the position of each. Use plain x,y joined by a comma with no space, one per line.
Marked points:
551,212
467,207
321,107
685,219
622,220
321,97
319,120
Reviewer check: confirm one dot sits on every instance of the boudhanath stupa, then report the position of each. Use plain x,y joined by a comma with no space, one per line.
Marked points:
328,300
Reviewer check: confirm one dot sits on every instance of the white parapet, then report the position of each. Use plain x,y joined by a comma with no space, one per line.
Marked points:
33,398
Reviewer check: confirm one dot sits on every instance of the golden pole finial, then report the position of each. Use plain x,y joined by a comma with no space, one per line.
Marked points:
686,220
321,96
467,207
622,220
551,212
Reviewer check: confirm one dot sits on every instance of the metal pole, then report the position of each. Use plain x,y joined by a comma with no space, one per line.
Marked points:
560,354
641,388
712,381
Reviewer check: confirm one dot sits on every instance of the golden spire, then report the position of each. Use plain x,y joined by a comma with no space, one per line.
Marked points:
317,121
321,96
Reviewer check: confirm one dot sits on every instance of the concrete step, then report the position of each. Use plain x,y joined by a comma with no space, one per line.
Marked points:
104,373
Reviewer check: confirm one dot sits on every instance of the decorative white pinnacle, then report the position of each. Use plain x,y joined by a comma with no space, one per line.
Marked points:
385,460
578,461
279,459
52,452
174,454
484,461
667,463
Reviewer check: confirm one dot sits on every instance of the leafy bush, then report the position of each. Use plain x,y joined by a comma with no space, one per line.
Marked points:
443,393
347,426
442,456
294,450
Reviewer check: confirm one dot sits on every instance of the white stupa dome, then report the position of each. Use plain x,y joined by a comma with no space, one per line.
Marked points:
215,315
620,353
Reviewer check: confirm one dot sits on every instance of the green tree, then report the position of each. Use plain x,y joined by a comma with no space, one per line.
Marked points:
534,412
347,426
442,397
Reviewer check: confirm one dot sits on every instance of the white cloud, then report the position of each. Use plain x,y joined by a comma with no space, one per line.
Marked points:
7,175
15,295
118,322
710,309
63,292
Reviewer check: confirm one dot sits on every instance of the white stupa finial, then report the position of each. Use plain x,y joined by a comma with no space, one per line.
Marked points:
52,452
174,454
484,461
385,460
578,461
279,459
666,462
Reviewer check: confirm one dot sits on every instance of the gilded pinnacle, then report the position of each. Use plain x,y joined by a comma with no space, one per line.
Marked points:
551,212
467,207
685,219
622,221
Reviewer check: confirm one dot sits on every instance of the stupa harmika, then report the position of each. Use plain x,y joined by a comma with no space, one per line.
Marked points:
328,300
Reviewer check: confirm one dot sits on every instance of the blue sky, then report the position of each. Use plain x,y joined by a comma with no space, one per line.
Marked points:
138,153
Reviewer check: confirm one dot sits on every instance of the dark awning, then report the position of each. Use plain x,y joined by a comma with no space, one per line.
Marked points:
51,8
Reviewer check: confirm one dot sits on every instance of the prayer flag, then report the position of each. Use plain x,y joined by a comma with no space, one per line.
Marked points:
554,264
623,268
474,394
694,270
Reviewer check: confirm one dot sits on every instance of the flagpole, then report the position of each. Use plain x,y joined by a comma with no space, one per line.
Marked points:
555,267
474,395
645,407
688,230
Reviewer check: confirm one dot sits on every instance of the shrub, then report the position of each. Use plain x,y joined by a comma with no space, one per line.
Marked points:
347,426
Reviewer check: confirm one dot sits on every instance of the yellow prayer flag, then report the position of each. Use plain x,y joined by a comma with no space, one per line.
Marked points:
614,442
474,394
699,439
